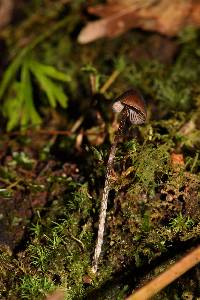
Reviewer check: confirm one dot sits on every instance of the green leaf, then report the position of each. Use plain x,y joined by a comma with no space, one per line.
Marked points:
20,109
9,74
53,91
11,108
19,106
53,73
26,95
60,96
46,85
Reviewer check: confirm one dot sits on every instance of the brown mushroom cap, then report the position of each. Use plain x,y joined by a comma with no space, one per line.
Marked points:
133,99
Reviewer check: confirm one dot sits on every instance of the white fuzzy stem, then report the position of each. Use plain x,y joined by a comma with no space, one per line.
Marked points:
107,188
103,209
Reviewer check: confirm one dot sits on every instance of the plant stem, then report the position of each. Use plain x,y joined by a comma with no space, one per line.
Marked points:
110,80
107,188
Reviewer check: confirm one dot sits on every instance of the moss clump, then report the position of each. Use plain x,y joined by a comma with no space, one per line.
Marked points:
35,287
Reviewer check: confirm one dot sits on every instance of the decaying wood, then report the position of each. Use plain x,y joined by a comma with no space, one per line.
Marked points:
163,16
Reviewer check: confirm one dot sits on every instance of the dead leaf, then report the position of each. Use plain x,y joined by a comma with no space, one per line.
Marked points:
118,16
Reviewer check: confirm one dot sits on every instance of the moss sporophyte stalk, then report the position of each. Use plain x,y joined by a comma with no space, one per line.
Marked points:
131,106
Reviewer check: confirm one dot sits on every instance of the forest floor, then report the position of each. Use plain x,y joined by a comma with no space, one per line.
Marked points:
52,175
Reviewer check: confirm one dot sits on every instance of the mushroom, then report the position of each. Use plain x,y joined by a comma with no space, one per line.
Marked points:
134,103
130,104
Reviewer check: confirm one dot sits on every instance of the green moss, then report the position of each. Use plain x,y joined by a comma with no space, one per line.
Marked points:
181,223
35,287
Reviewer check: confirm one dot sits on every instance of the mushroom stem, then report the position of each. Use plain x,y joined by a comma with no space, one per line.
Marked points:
131,106
106,190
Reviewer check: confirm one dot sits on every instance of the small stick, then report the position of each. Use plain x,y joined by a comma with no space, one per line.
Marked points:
129,104
110,80
164,279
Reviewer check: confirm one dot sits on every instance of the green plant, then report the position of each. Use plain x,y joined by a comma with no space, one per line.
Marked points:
19,106
35,287
181,223
40,256
22,159
54,241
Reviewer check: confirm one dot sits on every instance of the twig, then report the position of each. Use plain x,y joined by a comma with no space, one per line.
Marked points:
164,279
110,80
77,124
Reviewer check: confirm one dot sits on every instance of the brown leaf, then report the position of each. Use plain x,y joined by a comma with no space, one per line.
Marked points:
166,17
110,10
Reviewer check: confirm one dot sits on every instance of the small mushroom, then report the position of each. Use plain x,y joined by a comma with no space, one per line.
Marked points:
134,103
130,104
